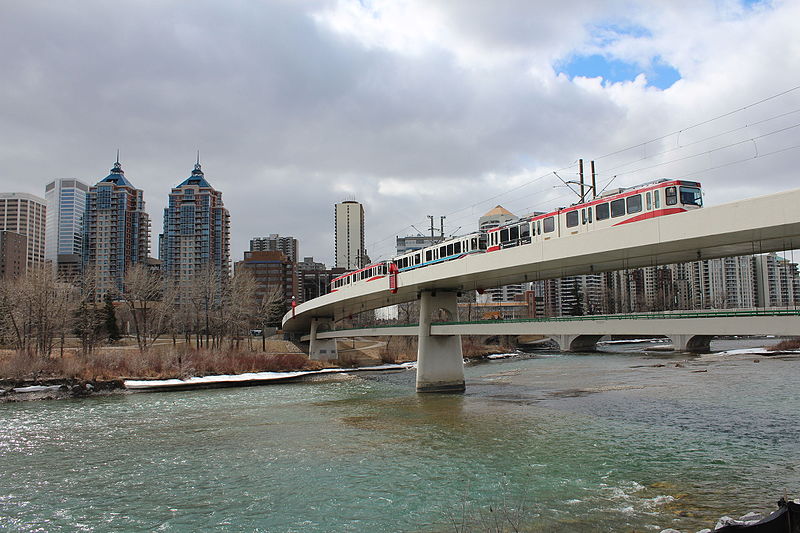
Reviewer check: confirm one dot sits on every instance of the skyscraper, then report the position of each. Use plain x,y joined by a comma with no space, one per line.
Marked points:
24,213
349,235
66,205
116,230
196,230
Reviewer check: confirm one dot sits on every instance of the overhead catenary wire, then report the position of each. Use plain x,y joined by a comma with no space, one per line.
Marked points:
474,205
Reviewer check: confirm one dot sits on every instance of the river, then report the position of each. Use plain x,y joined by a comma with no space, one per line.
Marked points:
615,441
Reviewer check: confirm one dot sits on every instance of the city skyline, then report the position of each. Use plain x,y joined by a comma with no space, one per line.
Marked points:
412,108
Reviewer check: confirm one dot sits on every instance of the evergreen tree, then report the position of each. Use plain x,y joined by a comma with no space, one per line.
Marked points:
112,329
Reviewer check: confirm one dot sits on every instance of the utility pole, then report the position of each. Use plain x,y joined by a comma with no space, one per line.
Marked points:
432,230
594,184
580,178
441,225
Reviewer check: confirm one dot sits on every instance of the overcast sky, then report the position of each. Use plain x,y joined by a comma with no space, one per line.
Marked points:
412,107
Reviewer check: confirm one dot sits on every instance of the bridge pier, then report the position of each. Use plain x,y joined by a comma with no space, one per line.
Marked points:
440,362
577,343
691,343
321,349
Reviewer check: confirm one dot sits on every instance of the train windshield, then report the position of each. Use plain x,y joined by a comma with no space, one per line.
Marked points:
691,196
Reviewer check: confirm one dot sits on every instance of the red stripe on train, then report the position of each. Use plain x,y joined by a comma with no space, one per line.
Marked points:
652,214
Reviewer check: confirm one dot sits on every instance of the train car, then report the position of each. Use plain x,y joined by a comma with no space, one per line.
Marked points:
369,273
613,208
444,251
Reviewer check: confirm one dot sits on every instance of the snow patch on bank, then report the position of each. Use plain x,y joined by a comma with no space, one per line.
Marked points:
249,377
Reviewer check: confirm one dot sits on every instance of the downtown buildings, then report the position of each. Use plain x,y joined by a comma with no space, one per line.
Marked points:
24,214
196,237
66,207
116,230
349,248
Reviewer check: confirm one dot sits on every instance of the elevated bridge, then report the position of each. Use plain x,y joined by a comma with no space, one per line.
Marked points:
758,225
689,331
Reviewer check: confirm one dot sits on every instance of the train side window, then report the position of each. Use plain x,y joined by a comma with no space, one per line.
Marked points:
572,219
457,247
618,207
583,216
482,242
417,259
449,250
602,211
671,196
525,230
649,201
442,252
656,199
634,203
549,224
513,233
589,212
504,235
538,227
474,243
428,255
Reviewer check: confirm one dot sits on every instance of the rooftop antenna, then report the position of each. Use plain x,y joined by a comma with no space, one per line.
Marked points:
117,155
198,157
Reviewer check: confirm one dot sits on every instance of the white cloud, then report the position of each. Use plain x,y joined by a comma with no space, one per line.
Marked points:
413,107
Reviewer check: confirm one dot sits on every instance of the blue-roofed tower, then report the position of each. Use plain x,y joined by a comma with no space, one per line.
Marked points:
196,234
116,230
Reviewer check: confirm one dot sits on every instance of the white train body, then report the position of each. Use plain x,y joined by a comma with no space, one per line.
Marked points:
623,206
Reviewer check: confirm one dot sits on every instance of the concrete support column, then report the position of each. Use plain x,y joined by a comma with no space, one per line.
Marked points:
691,343
321,349
440,362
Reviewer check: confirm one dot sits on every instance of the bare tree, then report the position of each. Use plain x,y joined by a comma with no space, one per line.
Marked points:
35,310
148,302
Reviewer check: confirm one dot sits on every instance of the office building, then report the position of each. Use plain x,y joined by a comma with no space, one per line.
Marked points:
350,252
275,276
196,231
25,214
275,243
13,255
116,230
66,205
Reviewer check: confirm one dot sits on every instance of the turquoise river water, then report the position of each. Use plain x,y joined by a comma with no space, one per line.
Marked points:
550,442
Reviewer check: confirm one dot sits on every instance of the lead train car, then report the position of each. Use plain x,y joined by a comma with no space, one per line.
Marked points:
613,208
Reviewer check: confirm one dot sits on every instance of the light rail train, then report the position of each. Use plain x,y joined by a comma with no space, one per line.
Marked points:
612,208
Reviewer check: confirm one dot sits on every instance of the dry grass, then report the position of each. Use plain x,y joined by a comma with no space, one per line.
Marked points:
160,363
788,344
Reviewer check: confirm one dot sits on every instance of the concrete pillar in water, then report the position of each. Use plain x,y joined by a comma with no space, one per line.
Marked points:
321,349
691,343
577,343
440,362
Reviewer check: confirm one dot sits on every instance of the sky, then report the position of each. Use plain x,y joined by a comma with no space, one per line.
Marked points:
411,107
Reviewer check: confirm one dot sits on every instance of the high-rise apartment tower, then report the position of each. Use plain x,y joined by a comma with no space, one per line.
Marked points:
196,230
116,230
349,235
